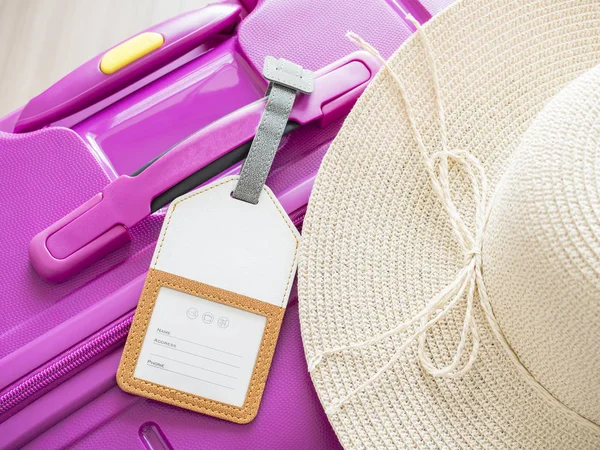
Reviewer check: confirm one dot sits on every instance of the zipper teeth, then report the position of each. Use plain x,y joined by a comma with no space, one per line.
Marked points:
73,360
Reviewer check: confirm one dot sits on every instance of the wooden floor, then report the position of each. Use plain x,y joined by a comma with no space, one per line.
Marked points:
42,40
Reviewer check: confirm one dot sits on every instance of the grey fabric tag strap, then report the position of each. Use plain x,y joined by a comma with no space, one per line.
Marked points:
285,79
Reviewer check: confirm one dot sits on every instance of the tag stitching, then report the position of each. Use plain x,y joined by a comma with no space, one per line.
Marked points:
291,273
279,210
174,396
214,298
177,202
148,308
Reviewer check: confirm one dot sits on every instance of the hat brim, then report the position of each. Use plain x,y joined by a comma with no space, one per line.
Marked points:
377,245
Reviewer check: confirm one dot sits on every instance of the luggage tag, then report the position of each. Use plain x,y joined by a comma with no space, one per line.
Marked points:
208,319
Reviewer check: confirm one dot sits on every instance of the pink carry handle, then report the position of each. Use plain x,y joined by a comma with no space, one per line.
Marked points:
101,225
87,84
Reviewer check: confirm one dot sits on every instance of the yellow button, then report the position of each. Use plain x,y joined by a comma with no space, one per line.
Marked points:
129,51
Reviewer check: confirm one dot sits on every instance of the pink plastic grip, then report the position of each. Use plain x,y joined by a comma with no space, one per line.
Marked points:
87,84
100,225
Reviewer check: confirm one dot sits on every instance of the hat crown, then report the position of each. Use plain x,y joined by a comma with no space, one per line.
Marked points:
541,253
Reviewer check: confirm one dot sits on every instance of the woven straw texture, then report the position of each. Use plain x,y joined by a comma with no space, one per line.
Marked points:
377,245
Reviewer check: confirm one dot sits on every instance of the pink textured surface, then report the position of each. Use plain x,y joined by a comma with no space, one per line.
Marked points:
300,155
312,33
47,174
290,416
44,176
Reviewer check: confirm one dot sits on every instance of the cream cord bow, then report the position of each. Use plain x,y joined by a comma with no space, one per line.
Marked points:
469,280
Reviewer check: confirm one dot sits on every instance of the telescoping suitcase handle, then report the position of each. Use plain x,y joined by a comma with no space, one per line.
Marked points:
127,63
100,226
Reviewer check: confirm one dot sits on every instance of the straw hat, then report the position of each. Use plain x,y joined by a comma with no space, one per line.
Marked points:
450,274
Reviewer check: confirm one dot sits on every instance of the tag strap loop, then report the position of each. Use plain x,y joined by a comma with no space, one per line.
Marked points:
286,78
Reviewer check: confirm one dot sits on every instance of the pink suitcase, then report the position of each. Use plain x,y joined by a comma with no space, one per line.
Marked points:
61,342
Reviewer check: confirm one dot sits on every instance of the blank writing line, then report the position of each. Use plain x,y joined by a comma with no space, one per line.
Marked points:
191,365
199,356
189,376
201,345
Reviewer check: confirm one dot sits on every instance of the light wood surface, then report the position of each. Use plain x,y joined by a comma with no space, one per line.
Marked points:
42,40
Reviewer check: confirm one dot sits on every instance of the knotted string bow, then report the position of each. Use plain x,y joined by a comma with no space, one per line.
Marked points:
468,282
469,279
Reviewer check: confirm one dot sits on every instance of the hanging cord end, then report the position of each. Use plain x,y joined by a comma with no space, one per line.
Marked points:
414,21
361,43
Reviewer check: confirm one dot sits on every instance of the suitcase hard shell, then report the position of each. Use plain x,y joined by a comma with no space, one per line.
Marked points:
61,343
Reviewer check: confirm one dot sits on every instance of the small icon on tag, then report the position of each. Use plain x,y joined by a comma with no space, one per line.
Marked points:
192,313
208,318
223,322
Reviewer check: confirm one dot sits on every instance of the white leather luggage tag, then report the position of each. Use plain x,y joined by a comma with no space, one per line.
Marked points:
206,326
209,316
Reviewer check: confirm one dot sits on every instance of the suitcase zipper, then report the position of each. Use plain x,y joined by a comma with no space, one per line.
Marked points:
63,367
77,358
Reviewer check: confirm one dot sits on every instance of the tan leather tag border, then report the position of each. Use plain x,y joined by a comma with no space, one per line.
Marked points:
244,414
